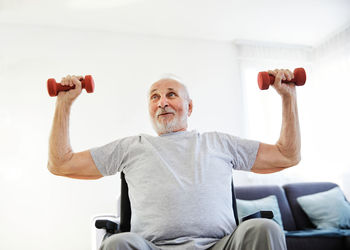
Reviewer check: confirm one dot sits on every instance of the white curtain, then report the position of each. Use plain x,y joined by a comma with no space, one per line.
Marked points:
324,108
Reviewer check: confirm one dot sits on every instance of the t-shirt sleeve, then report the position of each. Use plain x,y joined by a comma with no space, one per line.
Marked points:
243,151
109,158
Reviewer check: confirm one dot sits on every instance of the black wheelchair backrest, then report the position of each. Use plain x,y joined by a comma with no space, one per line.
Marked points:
125,209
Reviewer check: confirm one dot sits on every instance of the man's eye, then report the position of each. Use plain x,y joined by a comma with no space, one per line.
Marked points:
153,97
171,94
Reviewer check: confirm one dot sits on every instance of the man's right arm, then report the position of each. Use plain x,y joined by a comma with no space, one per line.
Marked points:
62,160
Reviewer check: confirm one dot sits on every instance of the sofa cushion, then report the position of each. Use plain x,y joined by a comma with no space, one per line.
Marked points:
327,209
295,190
258,192
269,203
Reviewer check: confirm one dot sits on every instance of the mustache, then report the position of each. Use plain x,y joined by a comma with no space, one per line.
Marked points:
162,111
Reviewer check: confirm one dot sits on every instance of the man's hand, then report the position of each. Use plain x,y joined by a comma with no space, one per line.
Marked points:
284,89
71,95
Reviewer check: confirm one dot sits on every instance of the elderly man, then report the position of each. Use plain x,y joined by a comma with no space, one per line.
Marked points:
179,181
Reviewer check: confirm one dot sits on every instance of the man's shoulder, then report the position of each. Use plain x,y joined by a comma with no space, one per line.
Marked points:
124,141
217,134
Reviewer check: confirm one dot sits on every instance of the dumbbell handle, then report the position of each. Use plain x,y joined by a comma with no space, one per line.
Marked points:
265,79
86,83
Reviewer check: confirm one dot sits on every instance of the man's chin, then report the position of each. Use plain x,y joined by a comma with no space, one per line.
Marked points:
164,128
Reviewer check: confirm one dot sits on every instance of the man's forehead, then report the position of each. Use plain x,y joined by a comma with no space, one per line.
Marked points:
155,90
165,84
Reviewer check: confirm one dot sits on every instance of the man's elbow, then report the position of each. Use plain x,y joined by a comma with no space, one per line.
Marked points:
295,160
54,169
58,165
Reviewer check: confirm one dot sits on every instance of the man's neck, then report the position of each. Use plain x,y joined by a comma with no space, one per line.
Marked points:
174,131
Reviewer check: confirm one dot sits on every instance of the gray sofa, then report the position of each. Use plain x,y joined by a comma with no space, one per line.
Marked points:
300,232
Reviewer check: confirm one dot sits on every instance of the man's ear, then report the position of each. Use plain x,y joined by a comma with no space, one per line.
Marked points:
190,106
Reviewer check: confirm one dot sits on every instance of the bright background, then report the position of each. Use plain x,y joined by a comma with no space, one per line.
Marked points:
217,47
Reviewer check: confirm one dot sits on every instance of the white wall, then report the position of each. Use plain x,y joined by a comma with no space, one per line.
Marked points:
42,211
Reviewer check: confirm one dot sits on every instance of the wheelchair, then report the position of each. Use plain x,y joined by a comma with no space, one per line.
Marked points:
107,225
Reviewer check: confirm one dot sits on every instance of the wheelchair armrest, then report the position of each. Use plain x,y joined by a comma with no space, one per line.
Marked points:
259,214
110,226
99,231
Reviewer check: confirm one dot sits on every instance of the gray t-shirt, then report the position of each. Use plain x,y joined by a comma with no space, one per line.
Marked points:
179,184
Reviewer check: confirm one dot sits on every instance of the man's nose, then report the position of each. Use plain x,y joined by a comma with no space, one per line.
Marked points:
163,102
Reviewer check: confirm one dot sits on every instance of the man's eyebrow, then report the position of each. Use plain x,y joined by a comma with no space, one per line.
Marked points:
154,90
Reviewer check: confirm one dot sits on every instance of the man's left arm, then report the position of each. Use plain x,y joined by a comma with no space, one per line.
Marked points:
286,152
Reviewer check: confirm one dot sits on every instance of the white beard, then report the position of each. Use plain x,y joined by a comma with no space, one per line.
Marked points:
165,127
170,126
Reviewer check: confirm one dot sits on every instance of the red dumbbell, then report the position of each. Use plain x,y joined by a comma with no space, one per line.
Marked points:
265,79
86,83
